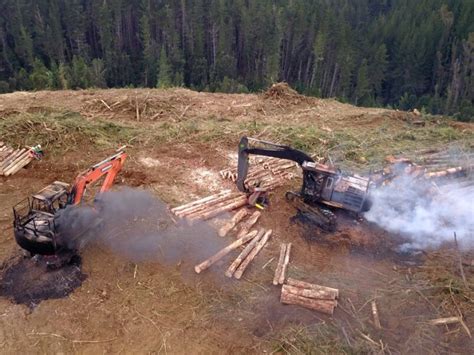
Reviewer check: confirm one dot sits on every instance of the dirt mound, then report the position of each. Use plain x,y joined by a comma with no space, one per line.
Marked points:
29,283
283,92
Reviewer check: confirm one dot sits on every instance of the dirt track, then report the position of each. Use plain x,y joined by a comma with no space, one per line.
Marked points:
142,307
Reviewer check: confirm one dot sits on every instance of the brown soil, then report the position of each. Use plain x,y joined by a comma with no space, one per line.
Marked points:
143,307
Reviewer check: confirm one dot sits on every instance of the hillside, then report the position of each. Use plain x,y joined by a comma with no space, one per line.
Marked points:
178,140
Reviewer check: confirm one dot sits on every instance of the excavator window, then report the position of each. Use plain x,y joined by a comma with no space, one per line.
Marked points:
329,182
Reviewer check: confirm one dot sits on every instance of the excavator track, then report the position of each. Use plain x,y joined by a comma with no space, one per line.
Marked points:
321,217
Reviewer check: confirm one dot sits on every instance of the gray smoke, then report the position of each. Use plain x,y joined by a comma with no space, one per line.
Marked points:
427,215
138,226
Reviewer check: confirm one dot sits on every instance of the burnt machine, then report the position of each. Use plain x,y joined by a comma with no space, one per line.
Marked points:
323,186
36,218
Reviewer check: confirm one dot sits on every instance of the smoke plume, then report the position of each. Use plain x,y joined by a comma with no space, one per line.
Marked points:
425,214
135,224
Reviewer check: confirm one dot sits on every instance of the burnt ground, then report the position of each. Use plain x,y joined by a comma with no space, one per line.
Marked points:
147,306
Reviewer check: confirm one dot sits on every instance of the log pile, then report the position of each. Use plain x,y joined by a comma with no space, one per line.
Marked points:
211,206
12,160
266,173
319,298
437,166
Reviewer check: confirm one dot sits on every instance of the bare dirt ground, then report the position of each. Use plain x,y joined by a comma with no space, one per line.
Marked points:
178,141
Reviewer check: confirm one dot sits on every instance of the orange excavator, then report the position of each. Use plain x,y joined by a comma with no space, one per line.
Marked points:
35,218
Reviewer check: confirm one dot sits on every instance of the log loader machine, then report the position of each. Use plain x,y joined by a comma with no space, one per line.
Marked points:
323,186
35,222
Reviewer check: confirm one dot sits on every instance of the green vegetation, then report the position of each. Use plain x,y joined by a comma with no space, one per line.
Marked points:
402,53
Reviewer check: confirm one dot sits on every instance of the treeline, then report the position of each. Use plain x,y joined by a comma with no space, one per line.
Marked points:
402,53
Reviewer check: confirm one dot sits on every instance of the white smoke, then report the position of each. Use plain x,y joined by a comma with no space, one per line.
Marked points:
425,214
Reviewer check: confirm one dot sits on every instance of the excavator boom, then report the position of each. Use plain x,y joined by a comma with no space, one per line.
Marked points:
109,168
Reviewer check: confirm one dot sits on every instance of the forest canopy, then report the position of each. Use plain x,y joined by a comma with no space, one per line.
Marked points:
400,53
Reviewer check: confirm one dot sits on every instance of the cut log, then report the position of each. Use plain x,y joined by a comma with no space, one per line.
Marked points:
447,320
281,279
10,159
226,206
248,224
375,314
230,271
281,260
323,306
307,285
236,218
204,206
18,165
240,271
201,201
223,252
309,293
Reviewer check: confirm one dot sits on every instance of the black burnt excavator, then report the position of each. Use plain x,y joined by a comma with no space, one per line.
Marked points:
36,218
323,186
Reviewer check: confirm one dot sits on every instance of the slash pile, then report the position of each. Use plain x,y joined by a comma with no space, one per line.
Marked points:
266,173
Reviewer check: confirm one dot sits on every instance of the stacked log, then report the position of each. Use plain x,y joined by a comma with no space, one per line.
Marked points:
280,271
12,160
312,296
211,206
264,172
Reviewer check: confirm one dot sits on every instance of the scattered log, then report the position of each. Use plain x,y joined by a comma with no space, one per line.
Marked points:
248,224
240,271
230,271
223,252
323,306
309,293
236,218
446,172
201,201
204,206
217,210
447,320
281,260
303,284
375,314
281,279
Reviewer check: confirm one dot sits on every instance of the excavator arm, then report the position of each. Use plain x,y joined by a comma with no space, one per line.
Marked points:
109,168
273,150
